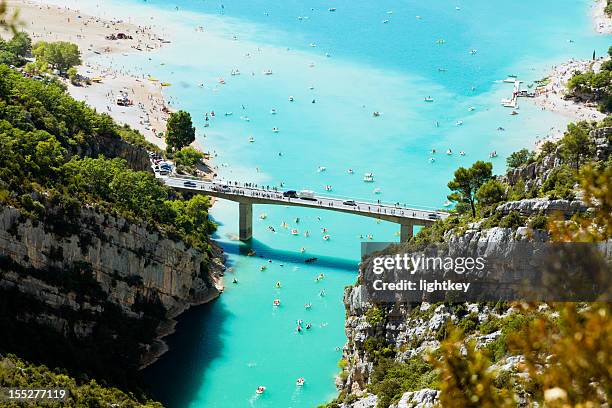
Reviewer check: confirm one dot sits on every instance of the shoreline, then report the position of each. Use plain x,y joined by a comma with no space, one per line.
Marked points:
47,22
148,113
551,96
150,109
601,21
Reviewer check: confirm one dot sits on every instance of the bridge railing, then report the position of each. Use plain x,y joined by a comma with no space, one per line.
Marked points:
388,204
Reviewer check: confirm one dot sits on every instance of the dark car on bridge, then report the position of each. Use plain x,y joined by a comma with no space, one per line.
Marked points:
290,194
190,184
433,216
349,202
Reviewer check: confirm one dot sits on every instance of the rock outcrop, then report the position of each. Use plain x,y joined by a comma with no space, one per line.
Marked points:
97,278
533,206
413,329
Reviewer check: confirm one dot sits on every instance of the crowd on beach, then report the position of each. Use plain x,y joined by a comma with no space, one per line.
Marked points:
551,95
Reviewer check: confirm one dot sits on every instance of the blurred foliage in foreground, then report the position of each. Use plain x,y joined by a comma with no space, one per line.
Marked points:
566,353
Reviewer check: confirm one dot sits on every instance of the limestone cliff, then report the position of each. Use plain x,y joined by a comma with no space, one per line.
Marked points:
97,283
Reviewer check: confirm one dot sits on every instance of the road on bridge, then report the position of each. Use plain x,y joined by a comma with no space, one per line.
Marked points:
267,196
248,194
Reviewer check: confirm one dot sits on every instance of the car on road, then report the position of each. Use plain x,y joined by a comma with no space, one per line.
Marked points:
222,188
290,194
191,184
307,195
433,216
349,202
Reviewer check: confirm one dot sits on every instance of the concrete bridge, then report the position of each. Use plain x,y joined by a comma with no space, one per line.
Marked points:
246,195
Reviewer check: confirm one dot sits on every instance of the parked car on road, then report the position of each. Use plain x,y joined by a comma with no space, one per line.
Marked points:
190,184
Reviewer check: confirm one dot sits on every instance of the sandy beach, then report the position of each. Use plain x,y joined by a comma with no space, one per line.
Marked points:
601,21
53,23
552,97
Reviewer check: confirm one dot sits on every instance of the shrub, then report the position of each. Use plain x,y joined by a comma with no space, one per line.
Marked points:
512,220
560,183
374,316
520,158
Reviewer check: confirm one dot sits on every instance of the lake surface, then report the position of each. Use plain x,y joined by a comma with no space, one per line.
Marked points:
339,67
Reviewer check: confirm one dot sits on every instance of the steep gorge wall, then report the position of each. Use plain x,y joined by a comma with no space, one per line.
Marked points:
98,283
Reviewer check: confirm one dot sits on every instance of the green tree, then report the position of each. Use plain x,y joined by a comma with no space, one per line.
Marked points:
576,145
37,67
188,156
491,192
179,131
61,55
20,44
8,58
73,75
520,158
467,182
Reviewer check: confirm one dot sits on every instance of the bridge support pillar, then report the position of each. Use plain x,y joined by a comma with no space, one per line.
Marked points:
406,231
245,223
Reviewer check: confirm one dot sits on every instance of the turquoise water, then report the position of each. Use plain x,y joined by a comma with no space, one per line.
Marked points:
224,350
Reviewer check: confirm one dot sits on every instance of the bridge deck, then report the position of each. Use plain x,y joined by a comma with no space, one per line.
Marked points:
253,195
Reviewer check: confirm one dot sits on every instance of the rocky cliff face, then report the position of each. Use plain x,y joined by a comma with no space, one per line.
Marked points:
136,156
414,329
99,282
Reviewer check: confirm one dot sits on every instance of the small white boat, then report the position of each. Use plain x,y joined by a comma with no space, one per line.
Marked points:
261,389
235,72
462,153
385,21
368,177
326,237
377,191
251,139
449,152
291,99
332,9
268,72
428,99
473,52
459,123
321,168
294,232
432,159
313,45
300,382
263,216
328,188
471,108
275,130
273,111
229,113
350,171
276,302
